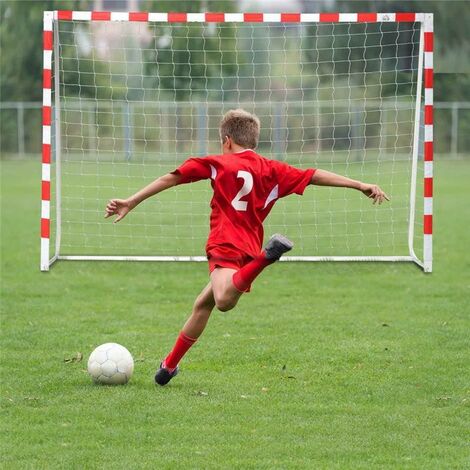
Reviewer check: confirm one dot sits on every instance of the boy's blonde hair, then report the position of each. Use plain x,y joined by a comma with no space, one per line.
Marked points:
242,127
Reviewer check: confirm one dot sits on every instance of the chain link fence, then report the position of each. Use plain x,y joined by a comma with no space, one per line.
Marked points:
182,127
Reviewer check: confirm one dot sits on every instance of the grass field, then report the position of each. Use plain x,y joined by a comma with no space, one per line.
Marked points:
321,366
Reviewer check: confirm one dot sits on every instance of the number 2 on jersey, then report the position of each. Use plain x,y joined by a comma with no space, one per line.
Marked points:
247,177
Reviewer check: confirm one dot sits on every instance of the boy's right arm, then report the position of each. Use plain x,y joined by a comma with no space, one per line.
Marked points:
121,207
327,178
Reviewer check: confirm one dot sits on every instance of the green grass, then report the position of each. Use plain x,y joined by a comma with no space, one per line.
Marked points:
321,366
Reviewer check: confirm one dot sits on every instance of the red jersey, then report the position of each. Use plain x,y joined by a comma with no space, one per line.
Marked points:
246,186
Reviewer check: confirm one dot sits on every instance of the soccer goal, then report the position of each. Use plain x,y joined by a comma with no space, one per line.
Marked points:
129,96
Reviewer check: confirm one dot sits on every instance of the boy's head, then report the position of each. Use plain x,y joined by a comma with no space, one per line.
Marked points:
240,128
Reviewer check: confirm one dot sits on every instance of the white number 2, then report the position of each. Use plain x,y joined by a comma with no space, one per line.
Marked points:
246,188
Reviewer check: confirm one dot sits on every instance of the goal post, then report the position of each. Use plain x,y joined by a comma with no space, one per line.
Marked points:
128,96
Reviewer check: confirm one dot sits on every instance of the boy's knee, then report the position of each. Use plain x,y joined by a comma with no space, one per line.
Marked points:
224,304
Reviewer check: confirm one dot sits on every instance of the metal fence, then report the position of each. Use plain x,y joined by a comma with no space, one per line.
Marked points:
20,126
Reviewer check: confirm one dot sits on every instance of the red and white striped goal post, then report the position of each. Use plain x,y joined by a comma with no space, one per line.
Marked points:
214,17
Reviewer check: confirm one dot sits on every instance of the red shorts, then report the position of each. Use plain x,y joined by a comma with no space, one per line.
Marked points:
226,257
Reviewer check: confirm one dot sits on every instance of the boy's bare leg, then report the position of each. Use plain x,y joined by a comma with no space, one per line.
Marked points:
191,331
229,284
226,295
226,287
202,310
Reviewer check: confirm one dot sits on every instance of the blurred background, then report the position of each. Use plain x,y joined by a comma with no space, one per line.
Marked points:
21,72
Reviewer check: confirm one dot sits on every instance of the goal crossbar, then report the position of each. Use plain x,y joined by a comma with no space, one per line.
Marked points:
52,146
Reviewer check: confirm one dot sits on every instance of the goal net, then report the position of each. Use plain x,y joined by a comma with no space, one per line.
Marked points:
129,96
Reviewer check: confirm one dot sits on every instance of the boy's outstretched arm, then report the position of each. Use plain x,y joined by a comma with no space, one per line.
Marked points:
121,207
326,178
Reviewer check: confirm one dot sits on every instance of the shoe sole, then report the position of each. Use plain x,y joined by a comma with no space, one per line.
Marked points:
278,245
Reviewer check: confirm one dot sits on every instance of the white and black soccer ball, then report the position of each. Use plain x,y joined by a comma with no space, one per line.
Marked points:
111,364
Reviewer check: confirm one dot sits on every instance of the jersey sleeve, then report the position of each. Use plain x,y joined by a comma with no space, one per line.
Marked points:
292,180
194,169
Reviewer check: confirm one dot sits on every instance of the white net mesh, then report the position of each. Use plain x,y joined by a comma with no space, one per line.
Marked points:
137,99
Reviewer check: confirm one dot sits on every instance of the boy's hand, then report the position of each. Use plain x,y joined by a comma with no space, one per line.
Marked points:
373,191
119,207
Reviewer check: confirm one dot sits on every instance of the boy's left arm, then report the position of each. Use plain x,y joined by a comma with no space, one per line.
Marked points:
327,178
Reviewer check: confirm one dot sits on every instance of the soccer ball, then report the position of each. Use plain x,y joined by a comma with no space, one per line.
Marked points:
111,363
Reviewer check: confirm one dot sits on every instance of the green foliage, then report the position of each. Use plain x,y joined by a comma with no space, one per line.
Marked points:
351,52
177,69
188,70
187,65
187,62
338,366
21,27
452,87
187,6
87,76
451,20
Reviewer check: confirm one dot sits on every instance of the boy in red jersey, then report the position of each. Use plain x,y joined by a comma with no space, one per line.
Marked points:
246,186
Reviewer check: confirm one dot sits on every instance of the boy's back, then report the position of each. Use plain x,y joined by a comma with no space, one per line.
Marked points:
246,186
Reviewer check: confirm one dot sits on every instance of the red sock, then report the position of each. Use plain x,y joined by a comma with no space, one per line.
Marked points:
182,344
243,278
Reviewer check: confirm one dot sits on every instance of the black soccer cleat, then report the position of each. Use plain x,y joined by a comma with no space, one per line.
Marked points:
163,376
277,246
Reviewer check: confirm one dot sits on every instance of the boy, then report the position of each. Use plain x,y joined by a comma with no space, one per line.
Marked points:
246,187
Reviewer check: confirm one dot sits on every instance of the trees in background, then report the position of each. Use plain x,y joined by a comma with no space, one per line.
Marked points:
21,29
21,45
174,67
